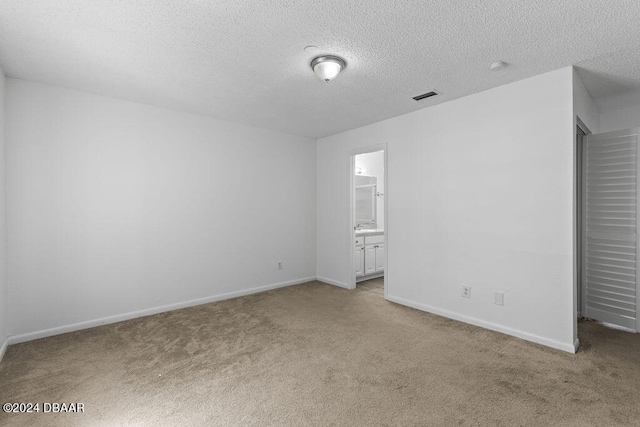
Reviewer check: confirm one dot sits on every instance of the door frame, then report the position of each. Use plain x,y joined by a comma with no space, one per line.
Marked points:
578,240
579,204
352,212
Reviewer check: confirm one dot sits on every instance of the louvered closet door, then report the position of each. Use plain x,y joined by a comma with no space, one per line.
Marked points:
610,220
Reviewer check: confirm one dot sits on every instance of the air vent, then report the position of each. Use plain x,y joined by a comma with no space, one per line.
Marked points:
426,95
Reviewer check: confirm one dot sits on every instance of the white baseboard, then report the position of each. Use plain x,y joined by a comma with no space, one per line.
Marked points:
332,282
3,349
147,312
372,276
568,347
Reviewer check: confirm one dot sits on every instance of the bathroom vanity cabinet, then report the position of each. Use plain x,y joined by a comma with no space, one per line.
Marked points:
369,254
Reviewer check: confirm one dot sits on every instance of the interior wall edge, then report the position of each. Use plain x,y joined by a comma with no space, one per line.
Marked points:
30,336
329,281
570,347
4,317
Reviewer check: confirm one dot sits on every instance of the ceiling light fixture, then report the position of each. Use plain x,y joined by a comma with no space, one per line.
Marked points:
498,65
327,67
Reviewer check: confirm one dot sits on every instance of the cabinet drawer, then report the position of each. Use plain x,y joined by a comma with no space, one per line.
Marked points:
370,240
359,241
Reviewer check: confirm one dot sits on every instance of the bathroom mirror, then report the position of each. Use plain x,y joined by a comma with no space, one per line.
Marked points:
365,204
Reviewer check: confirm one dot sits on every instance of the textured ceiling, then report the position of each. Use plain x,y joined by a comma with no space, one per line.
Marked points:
243,60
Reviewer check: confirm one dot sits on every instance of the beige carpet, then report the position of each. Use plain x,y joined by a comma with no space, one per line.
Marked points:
315,354
375,286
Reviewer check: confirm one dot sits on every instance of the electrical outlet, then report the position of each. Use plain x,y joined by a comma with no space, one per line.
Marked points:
466,291
498,298
280,265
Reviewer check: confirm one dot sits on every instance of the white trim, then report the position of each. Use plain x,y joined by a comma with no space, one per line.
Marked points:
578,212
568,347
149,311
369,277
332,282
3,350
576,344
386,219
351,283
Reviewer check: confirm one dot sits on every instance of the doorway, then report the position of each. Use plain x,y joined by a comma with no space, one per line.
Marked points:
368,219
606,227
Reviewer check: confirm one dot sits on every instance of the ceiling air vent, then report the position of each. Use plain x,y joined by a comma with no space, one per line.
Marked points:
426,95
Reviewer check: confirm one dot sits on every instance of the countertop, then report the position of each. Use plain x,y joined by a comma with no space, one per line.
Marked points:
366,232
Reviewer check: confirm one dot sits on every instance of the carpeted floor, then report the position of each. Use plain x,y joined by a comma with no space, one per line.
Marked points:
315,354
375,286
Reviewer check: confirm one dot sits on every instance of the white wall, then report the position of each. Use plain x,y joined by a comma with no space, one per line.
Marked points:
479,192
3,224
372,164
585,110
118,209
620,118
583,105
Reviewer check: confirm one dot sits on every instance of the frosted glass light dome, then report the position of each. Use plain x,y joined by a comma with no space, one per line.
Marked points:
327,67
